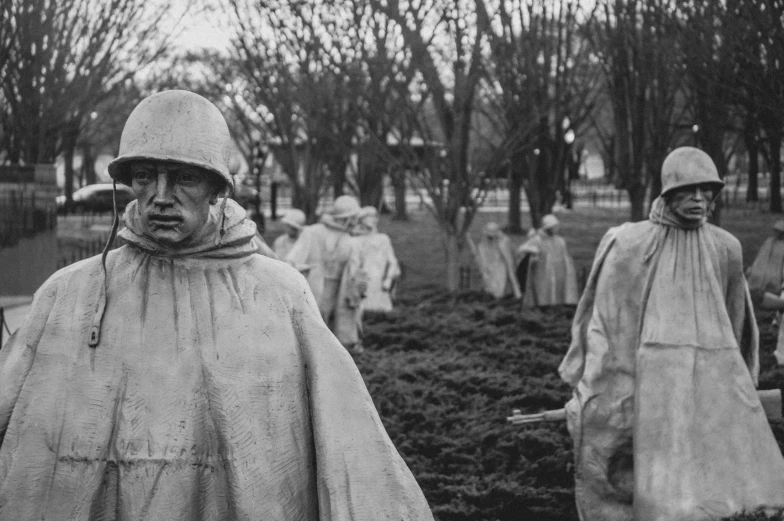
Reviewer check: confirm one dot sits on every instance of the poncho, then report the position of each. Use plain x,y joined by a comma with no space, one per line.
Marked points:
216,393
767,270
665,418
282,245
494,257
551,278
380,264
334,263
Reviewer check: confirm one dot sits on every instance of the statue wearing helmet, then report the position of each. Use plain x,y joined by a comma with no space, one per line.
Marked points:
493,256
547,274
665,417
331,257
293,221
378,259
183,375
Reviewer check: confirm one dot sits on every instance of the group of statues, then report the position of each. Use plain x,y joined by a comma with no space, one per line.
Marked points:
183,376
350,266
540,272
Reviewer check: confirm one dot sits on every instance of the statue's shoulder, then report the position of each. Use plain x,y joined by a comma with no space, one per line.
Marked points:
630,233
725,240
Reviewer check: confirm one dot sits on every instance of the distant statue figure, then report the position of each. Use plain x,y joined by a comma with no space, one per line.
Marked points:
550,277
182,376
665,418
766,278
293,221
330,256
493,254
378,259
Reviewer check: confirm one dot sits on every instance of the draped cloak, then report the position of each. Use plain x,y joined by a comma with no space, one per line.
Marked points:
766,275
665,418
216,392
494,257
551,278
381,266
335,263
282,245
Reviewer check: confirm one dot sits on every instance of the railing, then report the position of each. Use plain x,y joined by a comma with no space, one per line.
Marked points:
85,249
23,214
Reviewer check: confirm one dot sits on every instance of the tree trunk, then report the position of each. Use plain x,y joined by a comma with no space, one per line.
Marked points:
774,139
533,207
399,184
68,157
637,200
453,249
515,176
752,189
88,165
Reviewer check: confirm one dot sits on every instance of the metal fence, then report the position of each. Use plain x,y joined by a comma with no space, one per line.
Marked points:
23,214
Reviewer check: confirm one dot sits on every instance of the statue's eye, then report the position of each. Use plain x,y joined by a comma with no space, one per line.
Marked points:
142,175
188,178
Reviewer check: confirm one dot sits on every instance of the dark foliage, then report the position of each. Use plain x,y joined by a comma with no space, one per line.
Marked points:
444,372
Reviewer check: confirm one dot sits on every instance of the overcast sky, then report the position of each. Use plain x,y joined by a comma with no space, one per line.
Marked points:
198,28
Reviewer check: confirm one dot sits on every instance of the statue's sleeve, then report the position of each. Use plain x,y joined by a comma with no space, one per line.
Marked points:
17,355
360,475
573,364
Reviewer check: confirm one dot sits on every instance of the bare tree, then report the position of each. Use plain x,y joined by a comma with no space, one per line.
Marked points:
756,31
633,41
67,56
445,42
306,105
549,84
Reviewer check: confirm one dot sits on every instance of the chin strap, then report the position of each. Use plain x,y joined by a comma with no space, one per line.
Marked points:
100,307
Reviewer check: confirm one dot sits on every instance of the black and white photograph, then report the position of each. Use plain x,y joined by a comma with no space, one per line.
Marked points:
391,260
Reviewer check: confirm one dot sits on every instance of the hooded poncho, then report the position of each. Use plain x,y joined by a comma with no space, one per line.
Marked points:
666,421
494,256
216,393
551,279
766,275
334,263
380,264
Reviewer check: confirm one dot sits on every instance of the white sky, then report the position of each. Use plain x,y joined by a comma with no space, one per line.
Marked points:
201,25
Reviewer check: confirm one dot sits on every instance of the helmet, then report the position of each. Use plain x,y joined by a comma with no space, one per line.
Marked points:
686,166
550,221
367,211
345,206
294,218
491,229
175,125
779,226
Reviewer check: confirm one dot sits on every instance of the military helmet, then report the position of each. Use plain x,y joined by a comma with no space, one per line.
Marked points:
686,166
175,125
294,218
345,206
550,221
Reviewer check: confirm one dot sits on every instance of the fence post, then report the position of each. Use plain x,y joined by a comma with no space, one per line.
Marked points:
2,324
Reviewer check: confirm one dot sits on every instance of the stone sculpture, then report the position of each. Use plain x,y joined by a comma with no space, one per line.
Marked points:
493,254
293,222
335,273
551,278
378,259
183,376
665,417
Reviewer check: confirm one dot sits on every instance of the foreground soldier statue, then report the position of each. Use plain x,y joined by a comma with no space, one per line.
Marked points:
330,255
666,421
493,254
550,277
190,378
